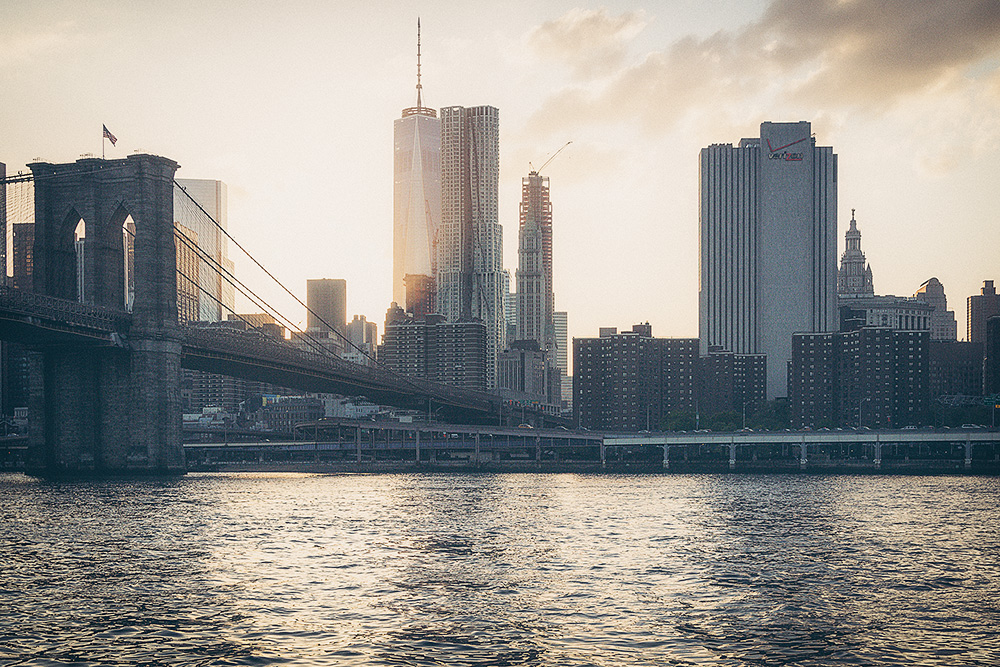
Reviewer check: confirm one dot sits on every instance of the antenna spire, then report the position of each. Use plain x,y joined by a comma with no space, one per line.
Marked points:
419,87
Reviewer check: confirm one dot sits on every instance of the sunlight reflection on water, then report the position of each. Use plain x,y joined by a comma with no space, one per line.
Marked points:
501,569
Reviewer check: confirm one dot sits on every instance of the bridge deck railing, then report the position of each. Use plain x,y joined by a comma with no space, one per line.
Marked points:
70,312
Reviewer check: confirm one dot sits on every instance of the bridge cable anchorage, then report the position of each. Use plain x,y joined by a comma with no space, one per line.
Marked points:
421,388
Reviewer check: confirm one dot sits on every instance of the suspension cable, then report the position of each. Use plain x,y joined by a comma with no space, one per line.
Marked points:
272,276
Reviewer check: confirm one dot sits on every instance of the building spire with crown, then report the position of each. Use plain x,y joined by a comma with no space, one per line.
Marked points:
855,275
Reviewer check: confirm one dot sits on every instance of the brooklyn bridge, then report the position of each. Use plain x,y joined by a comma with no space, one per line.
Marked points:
104,371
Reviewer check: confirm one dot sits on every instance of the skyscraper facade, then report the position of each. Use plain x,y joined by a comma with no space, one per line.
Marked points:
944,326
768,260
470,238
217,296
535,298
982,307
327,301
416,193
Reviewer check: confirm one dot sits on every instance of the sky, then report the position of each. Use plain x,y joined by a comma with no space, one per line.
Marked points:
292,104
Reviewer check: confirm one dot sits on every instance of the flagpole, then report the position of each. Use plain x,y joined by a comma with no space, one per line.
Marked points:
103,142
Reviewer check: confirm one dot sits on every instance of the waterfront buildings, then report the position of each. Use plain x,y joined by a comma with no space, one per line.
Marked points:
631,381
955,368
470,238
535,296
535,311
870,376
729,382
524,373
560,320
991,359
416,196
430,347
768,263
981,307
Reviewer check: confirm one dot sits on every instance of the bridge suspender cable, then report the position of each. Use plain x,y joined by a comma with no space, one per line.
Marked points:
408,380
272,276
242,289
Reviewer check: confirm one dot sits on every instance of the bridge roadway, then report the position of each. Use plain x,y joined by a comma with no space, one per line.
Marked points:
39,320
341,440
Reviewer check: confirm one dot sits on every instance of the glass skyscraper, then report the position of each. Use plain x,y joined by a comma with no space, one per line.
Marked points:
416,192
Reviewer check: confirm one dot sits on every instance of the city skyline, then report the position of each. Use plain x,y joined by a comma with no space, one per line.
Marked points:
305,146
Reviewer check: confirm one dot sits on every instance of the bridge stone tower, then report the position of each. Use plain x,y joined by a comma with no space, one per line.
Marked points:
108,408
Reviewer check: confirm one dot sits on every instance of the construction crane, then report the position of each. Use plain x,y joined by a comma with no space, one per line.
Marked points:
534,172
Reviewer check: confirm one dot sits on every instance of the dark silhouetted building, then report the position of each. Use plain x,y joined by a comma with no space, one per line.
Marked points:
872,376
327,298
981,307
991,360
730,382
955,368
430,347
631,381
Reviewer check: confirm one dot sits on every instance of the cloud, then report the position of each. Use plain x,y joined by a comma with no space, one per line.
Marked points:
802,55
591,41
20,49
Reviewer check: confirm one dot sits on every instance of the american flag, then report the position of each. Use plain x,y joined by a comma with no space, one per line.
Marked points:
107,135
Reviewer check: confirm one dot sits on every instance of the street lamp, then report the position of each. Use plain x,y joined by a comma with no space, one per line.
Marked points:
860,403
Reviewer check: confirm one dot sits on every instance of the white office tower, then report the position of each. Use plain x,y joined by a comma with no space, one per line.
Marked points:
768,260
470,238
416,191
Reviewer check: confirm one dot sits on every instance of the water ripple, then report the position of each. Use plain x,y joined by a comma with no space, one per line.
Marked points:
512,569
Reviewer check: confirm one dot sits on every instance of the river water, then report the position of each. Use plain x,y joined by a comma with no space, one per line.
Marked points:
501,569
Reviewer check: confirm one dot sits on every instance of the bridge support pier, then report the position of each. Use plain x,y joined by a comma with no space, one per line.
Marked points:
417,459
803,455
604,454
968,453
732,455
666,457
878,454
101,409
